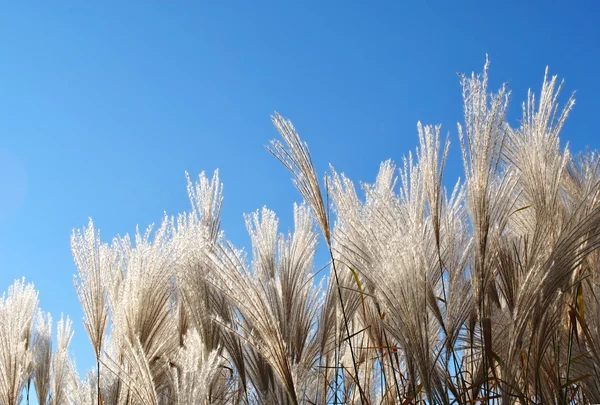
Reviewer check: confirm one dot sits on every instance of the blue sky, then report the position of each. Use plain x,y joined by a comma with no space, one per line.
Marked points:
104,106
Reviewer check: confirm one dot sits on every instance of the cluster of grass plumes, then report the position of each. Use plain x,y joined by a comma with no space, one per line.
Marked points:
486,294
26,354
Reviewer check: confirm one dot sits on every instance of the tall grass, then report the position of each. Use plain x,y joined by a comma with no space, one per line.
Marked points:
485,293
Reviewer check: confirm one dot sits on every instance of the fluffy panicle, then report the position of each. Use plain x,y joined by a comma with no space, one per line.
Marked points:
63,373
42,356
195,372
143,324
17,311
93,267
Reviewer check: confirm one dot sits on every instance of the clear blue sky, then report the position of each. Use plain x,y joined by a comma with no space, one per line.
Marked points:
103,106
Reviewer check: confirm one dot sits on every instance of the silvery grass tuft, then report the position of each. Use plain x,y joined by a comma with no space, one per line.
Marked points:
42,353
54,373
486,292
93,265
18,309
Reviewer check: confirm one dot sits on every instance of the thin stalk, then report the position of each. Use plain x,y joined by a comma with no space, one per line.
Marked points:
337,362
387,345
339,290
98,381
568,364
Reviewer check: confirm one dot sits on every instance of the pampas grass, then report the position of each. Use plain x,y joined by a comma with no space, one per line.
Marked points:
484,293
